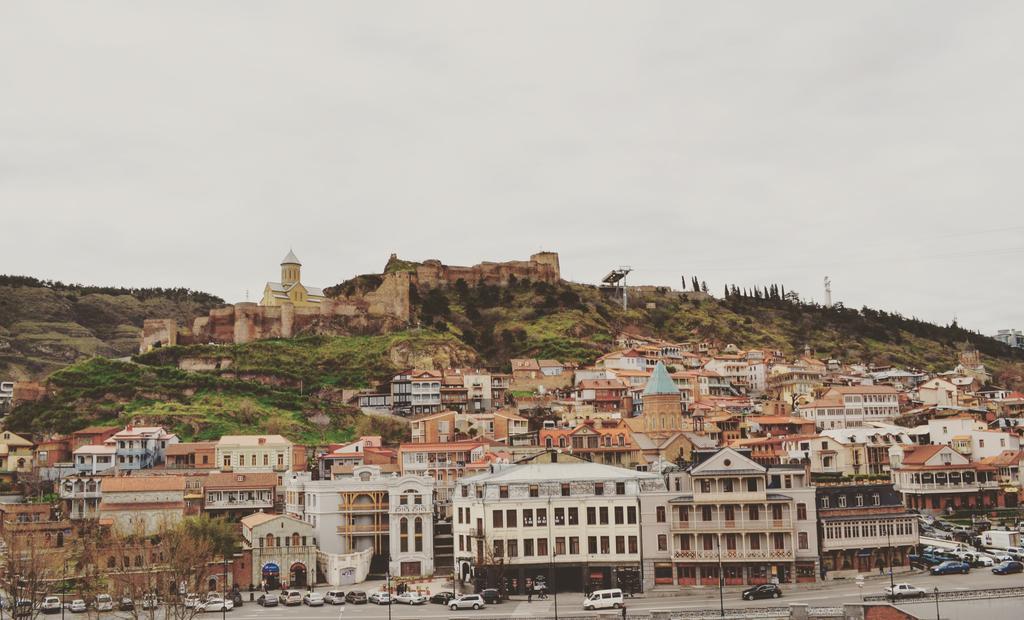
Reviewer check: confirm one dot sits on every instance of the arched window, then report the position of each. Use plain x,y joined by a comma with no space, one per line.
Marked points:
138,560
622,439
547,442
270,540
295,539
561,442
418,539
403,534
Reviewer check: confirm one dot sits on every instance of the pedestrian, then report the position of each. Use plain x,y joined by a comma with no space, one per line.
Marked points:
529,595
881,571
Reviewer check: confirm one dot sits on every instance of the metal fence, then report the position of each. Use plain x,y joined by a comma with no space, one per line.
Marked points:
952,595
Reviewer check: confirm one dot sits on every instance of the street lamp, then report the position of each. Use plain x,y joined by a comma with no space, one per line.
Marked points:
888,538
63,586
389,585
937,617
721,577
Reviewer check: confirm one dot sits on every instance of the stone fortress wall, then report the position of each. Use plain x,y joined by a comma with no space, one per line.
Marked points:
383,310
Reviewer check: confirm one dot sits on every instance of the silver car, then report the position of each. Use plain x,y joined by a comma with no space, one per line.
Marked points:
467,601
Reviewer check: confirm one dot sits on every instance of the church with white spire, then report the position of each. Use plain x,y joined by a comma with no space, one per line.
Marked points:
291,290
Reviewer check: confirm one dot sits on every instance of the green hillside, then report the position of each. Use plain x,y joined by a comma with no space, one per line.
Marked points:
47,325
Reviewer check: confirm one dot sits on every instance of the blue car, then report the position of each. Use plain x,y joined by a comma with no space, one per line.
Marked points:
951,567
1007,568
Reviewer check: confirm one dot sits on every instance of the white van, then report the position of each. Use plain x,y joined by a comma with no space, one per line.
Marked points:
603,599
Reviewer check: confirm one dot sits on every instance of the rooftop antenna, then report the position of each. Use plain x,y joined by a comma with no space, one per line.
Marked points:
616,278
828,292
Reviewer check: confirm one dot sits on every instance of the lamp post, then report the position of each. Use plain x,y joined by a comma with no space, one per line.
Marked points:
888,540
63,586
554,585
224,589
937,616
388,575
721,576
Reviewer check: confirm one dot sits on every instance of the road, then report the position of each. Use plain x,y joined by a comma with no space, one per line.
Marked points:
832,593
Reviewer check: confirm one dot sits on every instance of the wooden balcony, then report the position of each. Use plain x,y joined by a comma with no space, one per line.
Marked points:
735,555
374,528
734,525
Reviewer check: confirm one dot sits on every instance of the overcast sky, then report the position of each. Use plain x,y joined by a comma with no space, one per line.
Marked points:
192,143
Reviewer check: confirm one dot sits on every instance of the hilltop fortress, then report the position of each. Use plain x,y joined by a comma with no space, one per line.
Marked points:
370,304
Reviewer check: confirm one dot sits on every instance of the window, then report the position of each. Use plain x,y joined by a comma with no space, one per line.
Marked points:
527,517
603,515
824,502
753,513
777,512
619,515
542,546
266,459
513,548
705,486
801,512
727,486
497,518
606,546
705,513
499,548
842,501
631,515
632,544
620,544
592,544
752,485
876,499
591,515
503,491
860,500
227,460
574,545
534,491
659,512
620,488
559,545
565,489
510,518
527,547
559,516
542,517
802,539
574,516
598,488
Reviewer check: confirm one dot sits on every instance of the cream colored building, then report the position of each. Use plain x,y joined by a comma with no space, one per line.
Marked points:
291,290
254,453
284,550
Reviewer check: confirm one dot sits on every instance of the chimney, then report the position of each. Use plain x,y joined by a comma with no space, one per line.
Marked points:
262,440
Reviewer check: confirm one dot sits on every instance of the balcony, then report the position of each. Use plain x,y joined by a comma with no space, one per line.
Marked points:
724,497
831,544
714,525
362,508
373,528
229,504
735,555
938,487
476,532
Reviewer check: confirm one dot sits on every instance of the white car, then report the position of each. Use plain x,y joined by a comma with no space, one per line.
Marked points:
984,560
411,598
335,597
104,602
380,598
191,600
214,602
78,606
467,601
905,590
313,599
50,604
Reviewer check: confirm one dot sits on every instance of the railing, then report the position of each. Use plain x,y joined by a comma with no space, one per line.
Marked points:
734,554
256,503
366,529
728,497
927,486
362,508
734,524
954,595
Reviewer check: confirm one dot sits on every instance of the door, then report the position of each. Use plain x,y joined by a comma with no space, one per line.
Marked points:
410,569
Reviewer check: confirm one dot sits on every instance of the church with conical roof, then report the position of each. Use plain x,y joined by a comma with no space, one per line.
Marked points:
291,290
662,405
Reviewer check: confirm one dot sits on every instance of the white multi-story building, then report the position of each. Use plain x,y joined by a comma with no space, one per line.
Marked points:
580,519
970,437
390,514
853,406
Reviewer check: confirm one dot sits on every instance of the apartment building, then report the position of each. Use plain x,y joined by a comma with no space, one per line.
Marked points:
604,395
257,453
793,382
424,391
970,437
503,425
140,447
81,495
758,523
609,442
937,478
236,495
576,524
444,462
390,515
864,527
852,406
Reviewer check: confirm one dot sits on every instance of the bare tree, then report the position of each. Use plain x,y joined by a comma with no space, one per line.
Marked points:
30,567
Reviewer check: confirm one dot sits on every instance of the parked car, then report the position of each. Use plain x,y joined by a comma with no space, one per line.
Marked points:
150,601
768,590
982,561
214,603
1007,568
313,599
410,598
78,606
491,596
603,599
50,605
950,567
126,604
380,598
290,598
267,600
356,597
104,602
334,597
904,590
442,598
467,601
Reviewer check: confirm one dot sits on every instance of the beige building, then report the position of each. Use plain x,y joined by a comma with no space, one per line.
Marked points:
142,503
255,453
291,290
284,550
758,523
